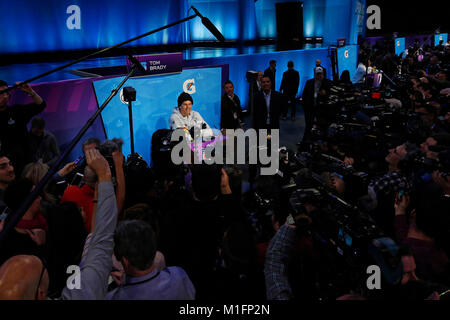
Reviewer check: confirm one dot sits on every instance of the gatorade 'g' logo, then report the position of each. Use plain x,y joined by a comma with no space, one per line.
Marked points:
346,54
189,86
398,43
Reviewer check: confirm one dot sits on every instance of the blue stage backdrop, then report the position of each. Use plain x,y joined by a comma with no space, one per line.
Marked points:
235,19
330,19
49,25
347,59
400,46
155,99
440,37
304,62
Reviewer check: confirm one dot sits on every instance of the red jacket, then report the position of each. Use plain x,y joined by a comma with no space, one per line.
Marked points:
83,197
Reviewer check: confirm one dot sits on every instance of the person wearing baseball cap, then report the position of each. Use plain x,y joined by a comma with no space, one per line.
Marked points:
319,65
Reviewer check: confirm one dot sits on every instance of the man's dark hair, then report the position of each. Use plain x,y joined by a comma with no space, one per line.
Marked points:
91,140
206,181
16,192
135,240
267,78
427,87
3,154
362,58
446,72
272,61
38,123
3,83
239,248
144,212
228,82
345,76
442,139
109,146
429,108
290,64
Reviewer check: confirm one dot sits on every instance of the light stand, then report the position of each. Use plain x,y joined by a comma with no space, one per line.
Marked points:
129,95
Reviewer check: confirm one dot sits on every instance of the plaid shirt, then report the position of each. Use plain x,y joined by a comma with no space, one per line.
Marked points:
275,271
389,183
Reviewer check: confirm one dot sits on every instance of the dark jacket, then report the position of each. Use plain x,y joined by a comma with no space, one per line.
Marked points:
260,112
44,148
271,74
13,124
308,92
290,82
324,71
227,109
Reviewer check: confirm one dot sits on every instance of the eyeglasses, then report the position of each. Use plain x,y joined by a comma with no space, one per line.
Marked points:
5,165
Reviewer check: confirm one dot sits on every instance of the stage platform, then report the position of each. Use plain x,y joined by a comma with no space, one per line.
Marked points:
13,69
71,99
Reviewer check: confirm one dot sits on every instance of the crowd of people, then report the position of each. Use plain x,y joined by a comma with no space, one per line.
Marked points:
127,230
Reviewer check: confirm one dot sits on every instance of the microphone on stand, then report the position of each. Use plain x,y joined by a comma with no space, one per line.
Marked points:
209,25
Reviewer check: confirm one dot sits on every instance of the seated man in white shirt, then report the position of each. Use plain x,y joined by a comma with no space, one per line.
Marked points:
361,70
183,117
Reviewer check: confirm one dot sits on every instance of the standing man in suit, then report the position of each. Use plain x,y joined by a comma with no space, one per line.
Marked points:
268,105
230,110
316,91
266,115
289,88
258,86
270,72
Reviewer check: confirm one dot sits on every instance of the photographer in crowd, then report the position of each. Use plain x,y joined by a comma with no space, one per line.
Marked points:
369,187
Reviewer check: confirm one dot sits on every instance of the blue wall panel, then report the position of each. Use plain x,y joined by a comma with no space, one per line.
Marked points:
47,25
440,37
31,25
304,62
347,59
155,99
399,46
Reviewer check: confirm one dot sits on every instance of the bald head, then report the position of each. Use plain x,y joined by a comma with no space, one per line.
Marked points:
19,279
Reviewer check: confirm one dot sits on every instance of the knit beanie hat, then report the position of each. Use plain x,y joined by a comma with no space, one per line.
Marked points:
183,97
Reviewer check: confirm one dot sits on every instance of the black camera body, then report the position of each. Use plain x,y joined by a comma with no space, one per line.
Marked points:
106,149
345,232
129,94
251,76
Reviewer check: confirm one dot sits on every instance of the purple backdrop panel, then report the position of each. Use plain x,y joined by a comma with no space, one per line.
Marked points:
160,63
70,104
373,40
